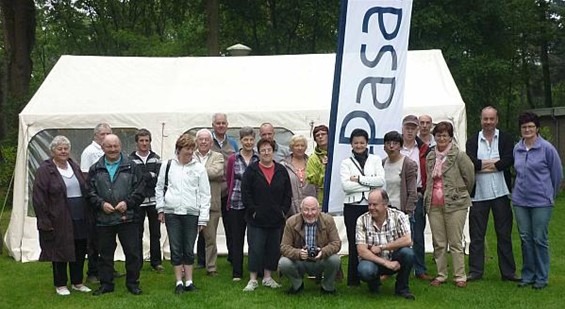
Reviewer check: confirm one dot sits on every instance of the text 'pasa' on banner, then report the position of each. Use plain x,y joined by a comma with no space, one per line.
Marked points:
368,82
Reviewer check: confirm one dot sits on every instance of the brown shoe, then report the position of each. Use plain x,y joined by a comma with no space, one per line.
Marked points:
461,284
424,276
436,282
212,273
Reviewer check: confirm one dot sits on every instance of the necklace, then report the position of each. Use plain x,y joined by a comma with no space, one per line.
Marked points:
60,165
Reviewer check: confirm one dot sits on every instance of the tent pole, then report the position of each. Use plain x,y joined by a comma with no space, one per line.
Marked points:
4,206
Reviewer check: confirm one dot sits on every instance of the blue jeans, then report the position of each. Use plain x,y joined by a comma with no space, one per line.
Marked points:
182,231
533,224
417,227
371,272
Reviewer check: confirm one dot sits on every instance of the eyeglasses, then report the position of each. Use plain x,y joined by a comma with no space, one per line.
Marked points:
266,150
528,127
443,136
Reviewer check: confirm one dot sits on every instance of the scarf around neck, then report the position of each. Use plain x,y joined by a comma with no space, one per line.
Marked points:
440,158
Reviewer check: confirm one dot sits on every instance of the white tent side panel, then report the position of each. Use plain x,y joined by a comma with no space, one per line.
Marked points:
170,95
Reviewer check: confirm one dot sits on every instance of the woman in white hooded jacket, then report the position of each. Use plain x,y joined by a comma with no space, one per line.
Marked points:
183,204
360,173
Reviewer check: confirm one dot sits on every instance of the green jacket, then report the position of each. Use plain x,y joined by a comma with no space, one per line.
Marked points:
458,174
316,170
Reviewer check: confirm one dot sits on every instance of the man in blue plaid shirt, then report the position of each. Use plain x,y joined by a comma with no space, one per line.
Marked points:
383,243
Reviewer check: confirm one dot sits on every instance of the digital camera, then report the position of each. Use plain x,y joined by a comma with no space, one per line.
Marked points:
312,252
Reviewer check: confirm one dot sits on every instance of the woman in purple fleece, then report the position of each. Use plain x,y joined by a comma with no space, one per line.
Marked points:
538,179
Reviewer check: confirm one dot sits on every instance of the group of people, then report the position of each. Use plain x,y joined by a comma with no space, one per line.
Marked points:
273,194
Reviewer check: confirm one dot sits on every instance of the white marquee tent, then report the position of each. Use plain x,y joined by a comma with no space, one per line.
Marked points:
171,95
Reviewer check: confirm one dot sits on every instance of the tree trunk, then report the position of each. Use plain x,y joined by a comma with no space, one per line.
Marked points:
544,37
213,23
546,74
18,20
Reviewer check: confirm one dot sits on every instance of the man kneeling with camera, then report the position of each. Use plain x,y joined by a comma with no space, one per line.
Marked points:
310,245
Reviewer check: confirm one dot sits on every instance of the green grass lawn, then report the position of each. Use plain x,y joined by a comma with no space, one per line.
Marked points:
30,285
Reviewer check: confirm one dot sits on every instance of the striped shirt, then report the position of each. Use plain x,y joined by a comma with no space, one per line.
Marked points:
395,226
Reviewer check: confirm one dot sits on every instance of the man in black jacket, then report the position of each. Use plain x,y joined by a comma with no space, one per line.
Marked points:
115,191
491,153
150,164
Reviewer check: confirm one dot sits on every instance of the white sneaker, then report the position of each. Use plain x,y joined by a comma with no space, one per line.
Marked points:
251,286
81,288
270,282
236,279
62,290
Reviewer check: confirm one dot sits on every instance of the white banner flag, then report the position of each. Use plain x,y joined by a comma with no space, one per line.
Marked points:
368,82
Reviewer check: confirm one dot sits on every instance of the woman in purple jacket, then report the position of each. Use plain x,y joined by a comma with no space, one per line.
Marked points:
60,207
538,179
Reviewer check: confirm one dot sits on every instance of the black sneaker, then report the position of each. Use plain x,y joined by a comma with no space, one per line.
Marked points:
190,288
292,291
326,292
103,290
374,287
406,295
118,274
179,289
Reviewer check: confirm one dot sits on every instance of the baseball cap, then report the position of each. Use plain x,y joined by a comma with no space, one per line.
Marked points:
410,119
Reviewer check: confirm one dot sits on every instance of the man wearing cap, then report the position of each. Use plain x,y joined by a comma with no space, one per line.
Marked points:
415,149
316,166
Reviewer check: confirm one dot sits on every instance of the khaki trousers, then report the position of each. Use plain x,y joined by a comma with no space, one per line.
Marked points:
210,232
447,229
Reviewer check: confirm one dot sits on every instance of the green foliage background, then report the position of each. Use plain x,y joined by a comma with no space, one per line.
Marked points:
494,48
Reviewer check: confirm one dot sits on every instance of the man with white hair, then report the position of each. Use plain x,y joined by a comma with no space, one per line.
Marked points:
94,151
227,146
310,244
214,164
89,156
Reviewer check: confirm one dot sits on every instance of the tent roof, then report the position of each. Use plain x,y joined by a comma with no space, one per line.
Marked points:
184,85
94,84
